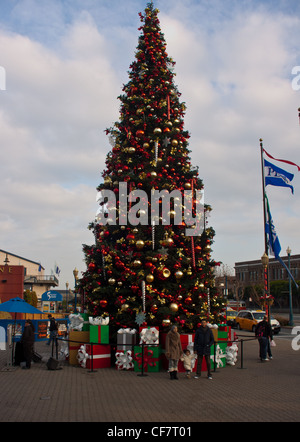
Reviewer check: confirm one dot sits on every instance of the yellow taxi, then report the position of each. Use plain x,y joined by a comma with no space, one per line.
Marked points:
231,315
248,320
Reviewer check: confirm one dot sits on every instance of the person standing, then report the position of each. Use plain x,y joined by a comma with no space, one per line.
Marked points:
27,341
173,351
52,329
263,333
204,339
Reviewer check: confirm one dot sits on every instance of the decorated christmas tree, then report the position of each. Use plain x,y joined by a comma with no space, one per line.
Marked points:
144,267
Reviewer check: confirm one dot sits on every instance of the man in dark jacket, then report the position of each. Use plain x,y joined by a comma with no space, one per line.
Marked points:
27,341
204,339
52,330
263,332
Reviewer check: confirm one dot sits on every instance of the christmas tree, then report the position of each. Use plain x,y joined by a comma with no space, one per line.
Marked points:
143,267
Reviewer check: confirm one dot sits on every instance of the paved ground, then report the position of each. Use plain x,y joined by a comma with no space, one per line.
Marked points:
260,392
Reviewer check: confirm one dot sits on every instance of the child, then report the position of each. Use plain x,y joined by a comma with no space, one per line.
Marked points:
188,359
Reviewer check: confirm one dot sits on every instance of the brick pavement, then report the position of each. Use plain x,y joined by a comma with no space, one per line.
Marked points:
258,393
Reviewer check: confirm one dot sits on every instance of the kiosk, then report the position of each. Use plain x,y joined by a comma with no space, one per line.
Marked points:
51,301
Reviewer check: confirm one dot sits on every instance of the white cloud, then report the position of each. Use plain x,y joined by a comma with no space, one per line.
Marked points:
65,65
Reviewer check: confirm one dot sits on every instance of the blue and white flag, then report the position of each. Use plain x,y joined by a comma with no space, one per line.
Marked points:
273,240
57,270
275,176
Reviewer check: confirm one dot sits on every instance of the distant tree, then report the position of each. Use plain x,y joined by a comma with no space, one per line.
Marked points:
30,297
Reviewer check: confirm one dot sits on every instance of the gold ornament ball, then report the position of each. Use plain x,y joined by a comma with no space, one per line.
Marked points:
137,263
150,278
111,281
140,244
187,186
179,274
157,131
173,307
174,143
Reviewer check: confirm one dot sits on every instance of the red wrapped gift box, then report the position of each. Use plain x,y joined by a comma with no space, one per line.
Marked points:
101,356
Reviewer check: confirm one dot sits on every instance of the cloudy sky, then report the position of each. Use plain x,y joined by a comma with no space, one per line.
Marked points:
66,62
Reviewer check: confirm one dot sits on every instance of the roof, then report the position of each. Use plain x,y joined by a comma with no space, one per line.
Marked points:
20,257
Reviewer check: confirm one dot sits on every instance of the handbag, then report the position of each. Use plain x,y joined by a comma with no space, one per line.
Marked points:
272,343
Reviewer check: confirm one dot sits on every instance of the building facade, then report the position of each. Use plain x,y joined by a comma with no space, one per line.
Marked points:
34,277
251,272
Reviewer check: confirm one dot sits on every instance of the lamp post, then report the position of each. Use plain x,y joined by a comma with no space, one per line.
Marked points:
75,273
265,262
291,320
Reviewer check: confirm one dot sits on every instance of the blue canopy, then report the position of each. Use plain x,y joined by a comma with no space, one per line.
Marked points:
18,305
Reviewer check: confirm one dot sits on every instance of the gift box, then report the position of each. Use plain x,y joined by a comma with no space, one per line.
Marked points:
76,339
223,332
219,359
100,355
150,361
126,339
99,334
86,324
149,335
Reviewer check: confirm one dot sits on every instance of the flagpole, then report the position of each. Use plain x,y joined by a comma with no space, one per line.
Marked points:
265,257
264,194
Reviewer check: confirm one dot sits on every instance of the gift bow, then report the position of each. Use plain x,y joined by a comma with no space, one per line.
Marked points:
149,336
124,361
130,331
82,356
76,322
231,354
99,320
148,359
219,357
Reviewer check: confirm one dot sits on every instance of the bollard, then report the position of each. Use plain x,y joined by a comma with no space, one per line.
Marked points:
142,371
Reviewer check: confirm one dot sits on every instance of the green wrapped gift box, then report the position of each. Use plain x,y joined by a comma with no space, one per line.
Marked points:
147,357
86,324
220,357
99,334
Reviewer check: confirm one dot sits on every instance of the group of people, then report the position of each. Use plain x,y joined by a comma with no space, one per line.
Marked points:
204,339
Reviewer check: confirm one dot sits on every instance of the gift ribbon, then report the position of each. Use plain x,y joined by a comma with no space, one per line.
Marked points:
124,361
147,358
76,322
99,320
220,355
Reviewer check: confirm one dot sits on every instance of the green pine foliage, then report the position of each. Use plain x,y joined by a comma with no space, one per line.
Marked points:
155,269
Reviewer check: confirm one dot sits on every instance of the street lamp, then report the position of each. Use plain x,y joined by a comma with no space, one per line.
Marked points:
265,262
75,273
291,320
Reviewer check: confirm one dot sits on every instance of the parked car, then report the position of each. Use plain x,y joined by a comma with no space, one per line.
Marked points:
248,320
231,315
